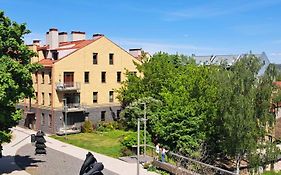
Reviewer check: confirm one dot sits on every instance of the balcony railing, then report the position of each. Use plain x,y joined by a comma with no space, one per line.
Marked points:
69,86
73,107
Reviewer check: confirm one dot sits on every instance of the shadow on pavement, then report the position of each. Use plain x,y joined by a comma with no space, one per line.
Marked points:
8,164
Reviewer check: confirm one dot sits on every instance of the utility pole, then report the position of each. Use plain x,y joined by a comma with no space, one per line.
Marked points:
138,149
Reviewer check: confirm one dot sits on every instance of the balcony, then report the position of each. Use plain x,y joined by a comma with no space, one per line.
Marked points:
68,86
74,107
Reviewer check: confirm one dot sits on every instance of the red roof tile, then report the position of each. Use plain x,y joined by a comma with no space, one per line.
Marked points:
46,62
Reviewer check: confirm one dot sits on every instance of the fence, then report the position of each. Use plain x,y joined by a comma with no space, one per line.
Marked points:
184,165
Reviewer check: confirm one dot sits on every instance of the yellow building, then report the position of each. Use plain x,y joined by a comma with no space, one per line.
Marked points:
78,80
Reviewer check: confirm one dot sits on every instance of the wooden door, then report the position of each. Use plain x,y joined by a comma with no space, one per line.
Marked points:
68,79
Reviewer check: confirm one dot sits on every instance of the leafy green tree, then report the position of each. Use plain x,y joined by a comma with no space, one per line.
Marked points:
187,95
15,73
244,119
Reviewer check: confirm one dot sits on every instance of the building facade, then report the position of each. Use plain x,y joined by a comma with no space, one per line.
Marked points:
78,80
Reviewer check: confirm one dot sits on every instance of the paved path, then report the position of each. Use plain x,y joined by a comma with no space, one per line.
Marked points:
53,163
23,137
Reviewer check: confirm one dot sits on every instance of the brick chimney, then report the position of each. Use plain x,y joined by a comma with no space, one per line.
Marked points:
135,52
63,37
97,35
36,42
77,35
53,38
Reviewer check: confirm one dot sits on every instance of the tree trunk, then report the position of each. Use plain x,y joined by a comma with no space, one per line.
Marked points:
238,164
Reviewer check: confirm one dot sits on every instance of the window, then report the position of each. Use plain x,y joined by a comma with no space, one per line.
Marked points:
86,77
36,97
102,117
110,96
103,77
36,77
50,77
42,119
50,99
43,77
50,120
95,97
118,77
118,114
111,58
55,55
133,73
95,58
43,100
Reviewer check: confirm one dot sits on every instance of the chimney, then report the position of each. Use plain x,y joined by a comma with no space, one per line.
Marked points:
53,38
62,37
77,35
36,42
135,52
47,38
97,35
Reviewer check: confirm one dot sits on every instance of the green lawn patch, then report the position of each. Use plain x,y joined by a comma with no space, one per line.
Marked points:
107,143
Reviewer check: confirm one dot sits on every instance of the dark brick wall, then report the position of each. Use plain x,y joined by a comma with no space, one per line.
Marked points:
94,115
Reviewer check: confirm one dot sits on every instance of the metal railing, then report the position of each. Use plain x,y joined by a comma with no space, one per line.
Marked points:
73,107
67,86
196,166
185,164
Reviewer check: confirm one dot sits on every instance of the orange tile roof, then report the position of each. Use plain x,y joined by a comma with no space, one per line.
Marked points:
77,44
46,62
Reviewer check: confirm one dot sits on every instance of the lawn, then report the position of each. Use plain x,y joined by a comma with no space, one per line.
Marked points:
107,143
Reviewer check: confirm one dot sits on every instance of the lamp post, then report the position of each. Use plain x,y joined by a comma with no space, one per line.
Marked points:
138,149
144,136
65,116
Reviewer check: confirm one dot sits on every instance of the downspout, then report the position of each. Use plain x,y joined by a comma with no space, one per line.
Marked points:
37,107
52,106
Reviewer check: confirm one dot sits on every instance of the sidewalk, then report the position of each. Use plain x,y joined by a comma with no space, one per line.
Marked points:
7,162
112,164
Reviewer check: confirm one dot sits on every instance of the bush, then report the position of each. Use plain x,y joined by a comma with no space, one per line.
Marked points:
126,152
131,139
87,127
109,126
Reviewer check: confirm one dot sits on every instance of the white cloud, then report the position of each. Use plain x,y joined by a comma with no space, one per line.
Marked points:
156,46
209,10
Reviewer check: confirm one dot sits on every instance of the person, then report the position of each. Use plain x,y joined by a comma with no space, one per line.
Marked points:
163,154
157,148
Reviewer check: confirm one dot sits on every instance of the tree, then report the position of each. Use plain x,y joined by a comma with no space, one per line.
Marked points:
187,95
243,120
15,73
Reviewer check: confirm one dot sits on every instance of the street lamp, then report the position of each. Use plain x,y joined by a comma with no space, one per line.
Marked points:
144,136
138,146
138,149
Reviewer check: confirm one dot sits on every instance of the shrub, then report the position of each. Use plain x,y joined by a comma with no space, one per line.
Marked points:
87,127
131,139
126,152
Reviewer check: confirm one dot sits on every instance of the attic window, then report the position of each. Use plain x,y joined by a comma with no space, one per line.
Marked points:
55,55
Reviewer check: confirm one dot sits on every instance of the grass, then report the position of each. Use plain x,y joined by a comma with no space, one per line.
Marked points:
107,143
271,173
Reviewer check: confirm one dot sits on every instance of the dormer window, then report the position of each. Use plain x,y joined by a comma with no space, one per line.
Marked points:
55,55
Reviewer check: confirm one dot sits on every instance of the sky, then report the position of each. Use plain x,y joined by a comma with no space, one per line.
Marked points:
200,27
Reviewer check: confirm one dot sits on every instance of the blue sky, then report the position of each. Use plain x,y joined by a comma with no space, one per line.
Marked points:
179,26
